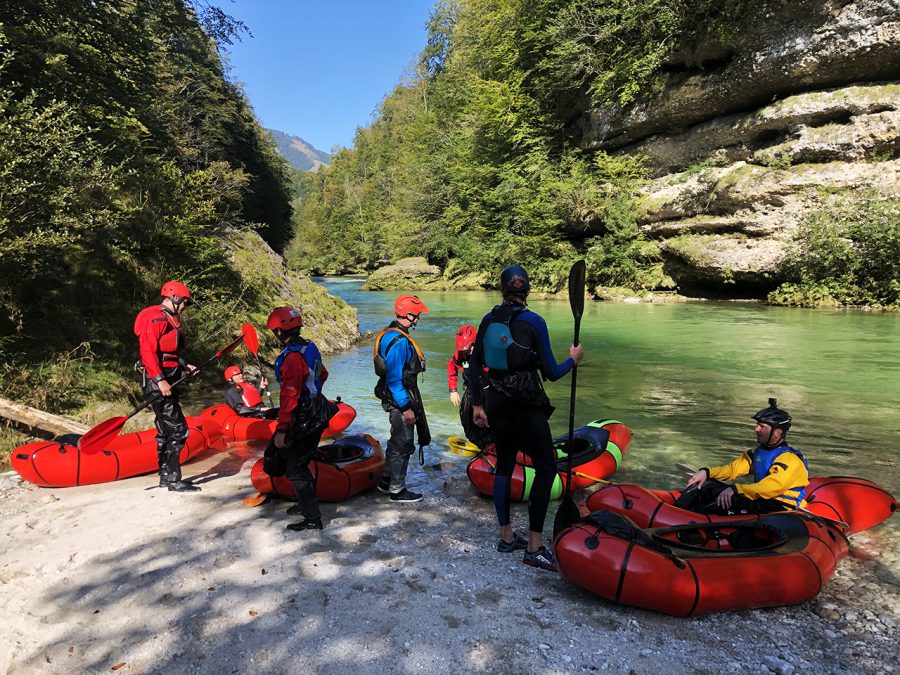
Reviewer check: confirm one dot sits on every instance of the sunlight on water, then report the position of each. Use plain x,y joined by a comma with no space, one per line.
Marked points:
684,377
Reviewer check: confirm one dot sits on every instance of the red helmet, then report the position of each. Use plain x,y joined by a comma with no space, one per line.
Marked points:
175,291
465,337
284,318
409,304
231,371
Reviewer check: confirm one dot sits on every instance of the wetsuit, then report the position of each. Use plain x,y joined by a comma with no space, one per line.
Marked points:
456,366
161,339
780,479
398,391
517,407
246,401
301,374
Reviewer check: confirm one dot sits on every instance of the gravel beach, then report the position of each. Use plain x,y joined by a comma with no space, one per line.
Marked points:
127,577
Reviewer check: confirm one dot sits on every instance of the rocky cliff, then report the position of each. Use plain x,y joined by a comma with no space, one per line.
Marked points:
748,138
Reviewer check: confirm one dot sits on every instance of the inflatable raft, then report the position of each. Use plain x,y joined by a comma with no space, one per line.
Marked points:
599,447
342,469
237,428
766,561
57,464
859,503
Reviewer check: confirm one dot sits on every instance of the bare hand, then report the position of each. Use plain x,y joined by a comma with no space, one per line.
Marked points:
164,388
576,353
278,440
263,383
454,398
479,416
724,499
409,417
698,479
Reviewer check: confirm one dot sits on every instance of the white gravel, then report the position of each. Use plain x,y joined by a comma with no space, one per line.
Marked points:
103,575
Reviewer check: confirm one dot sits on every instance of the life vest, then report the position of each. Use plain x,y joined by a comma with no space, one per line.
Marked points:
250,394
498,337
313,384
171,342
414,365
762,460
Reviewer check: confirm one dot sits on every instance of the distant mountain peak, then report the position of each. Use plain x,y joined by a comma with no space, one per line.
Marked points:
299,153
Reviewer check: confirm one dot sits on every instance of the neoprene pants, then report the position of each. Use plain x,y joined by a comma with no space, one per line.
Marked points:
400,448
171,430
520,426
297,456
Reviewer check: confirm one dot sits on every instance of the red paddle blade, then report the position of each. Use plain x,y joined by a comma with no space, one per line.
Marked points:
251,339
100,436
227,350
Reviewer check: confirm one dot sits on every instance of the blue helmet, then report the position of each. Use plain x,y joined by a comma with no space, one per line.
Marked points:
514,279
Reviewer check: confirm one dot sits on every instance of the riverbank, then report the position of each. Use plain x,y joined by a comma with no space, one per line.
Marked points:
125,573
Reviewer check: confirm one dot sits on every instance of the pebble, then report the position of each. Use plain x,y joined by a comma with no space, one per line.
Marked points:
778,666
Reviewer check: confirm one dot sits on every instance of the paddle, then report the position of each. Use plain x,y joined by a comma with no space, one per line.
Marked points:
568,512
251,339
95,439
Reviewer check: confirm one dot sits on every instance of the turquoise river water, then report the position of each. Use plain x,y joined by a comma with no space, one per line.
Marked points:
684,377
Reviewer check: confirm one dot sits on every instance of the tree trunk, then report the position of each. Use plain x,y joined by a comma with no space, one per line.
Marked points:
38,419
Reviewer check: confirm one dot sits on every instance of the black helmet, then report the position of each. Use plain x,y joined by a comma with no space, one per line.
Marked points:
514,279
774,416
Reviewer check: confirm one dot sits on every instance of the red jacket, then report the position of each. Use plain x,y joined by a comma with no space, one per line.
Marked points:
294,373
454,368
160,338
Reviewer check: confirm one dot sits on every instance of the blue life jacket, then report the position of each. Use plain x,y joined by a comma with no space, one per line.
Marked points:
762,460
310,353
498,337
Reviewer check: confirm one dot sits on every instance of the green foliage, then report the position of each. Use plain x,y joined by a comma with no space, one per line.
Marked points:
475,161
846,253
125,157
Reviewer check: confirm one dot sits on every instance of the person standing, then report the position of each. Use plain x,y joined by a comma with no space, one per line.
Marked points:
301,374
457,366
514,345
398,362
161,339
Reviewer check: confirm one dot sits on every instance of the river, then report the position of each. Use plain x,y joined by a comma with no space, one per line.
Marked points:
685,377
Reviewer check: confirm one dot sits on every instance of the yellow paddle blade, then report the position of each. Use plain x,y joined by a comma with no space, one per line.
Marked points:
462,447
255,501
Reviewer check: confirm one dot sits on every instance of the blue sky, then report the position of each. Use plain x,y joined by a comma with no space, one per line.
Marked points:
319,68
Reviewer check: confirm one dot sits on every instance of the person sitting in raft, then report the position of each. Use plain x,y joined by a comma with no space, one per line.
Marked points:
780,474
456,366
244,398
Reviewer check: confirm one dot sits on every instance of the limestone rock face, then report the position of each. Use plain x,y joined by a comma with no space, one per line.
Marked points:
805,106
409,274
327,320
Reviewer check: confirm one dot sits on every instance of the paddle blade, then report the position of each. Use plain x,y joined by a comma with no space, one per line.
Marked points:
230,348
255,501
100,436
576,288
567,514
251,339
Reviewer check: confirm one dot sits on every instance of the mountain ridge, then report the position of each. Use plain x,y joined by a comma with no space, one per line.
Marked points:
298,152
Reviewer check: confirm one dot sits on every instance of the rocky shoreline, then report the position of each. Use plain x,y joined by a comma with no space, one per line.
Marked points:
124,573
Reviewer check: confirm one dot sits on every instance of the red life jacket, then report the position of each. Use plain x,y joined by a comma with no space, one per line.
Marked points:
250,394
161,339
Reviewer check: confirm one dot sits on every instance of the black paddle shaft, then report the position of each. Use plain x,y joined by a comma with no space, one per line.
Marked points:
568,511
218,355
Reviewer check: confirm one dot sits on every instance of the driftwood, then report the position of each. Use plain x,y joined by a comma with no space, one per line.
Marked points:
38,419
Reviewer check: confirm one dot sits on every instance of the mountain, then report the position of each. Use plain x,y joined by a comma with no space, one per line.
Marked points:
298,152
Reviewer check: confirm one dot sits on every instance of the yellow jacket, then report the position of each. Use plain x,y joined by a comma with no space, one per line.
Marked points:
785,481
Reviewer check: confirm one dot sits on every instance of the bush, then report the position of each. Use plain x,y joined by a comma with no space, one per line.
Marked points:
846,253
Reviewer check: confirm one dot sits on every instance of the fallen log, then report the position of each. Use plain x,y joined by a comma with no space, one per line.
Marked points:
38,419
